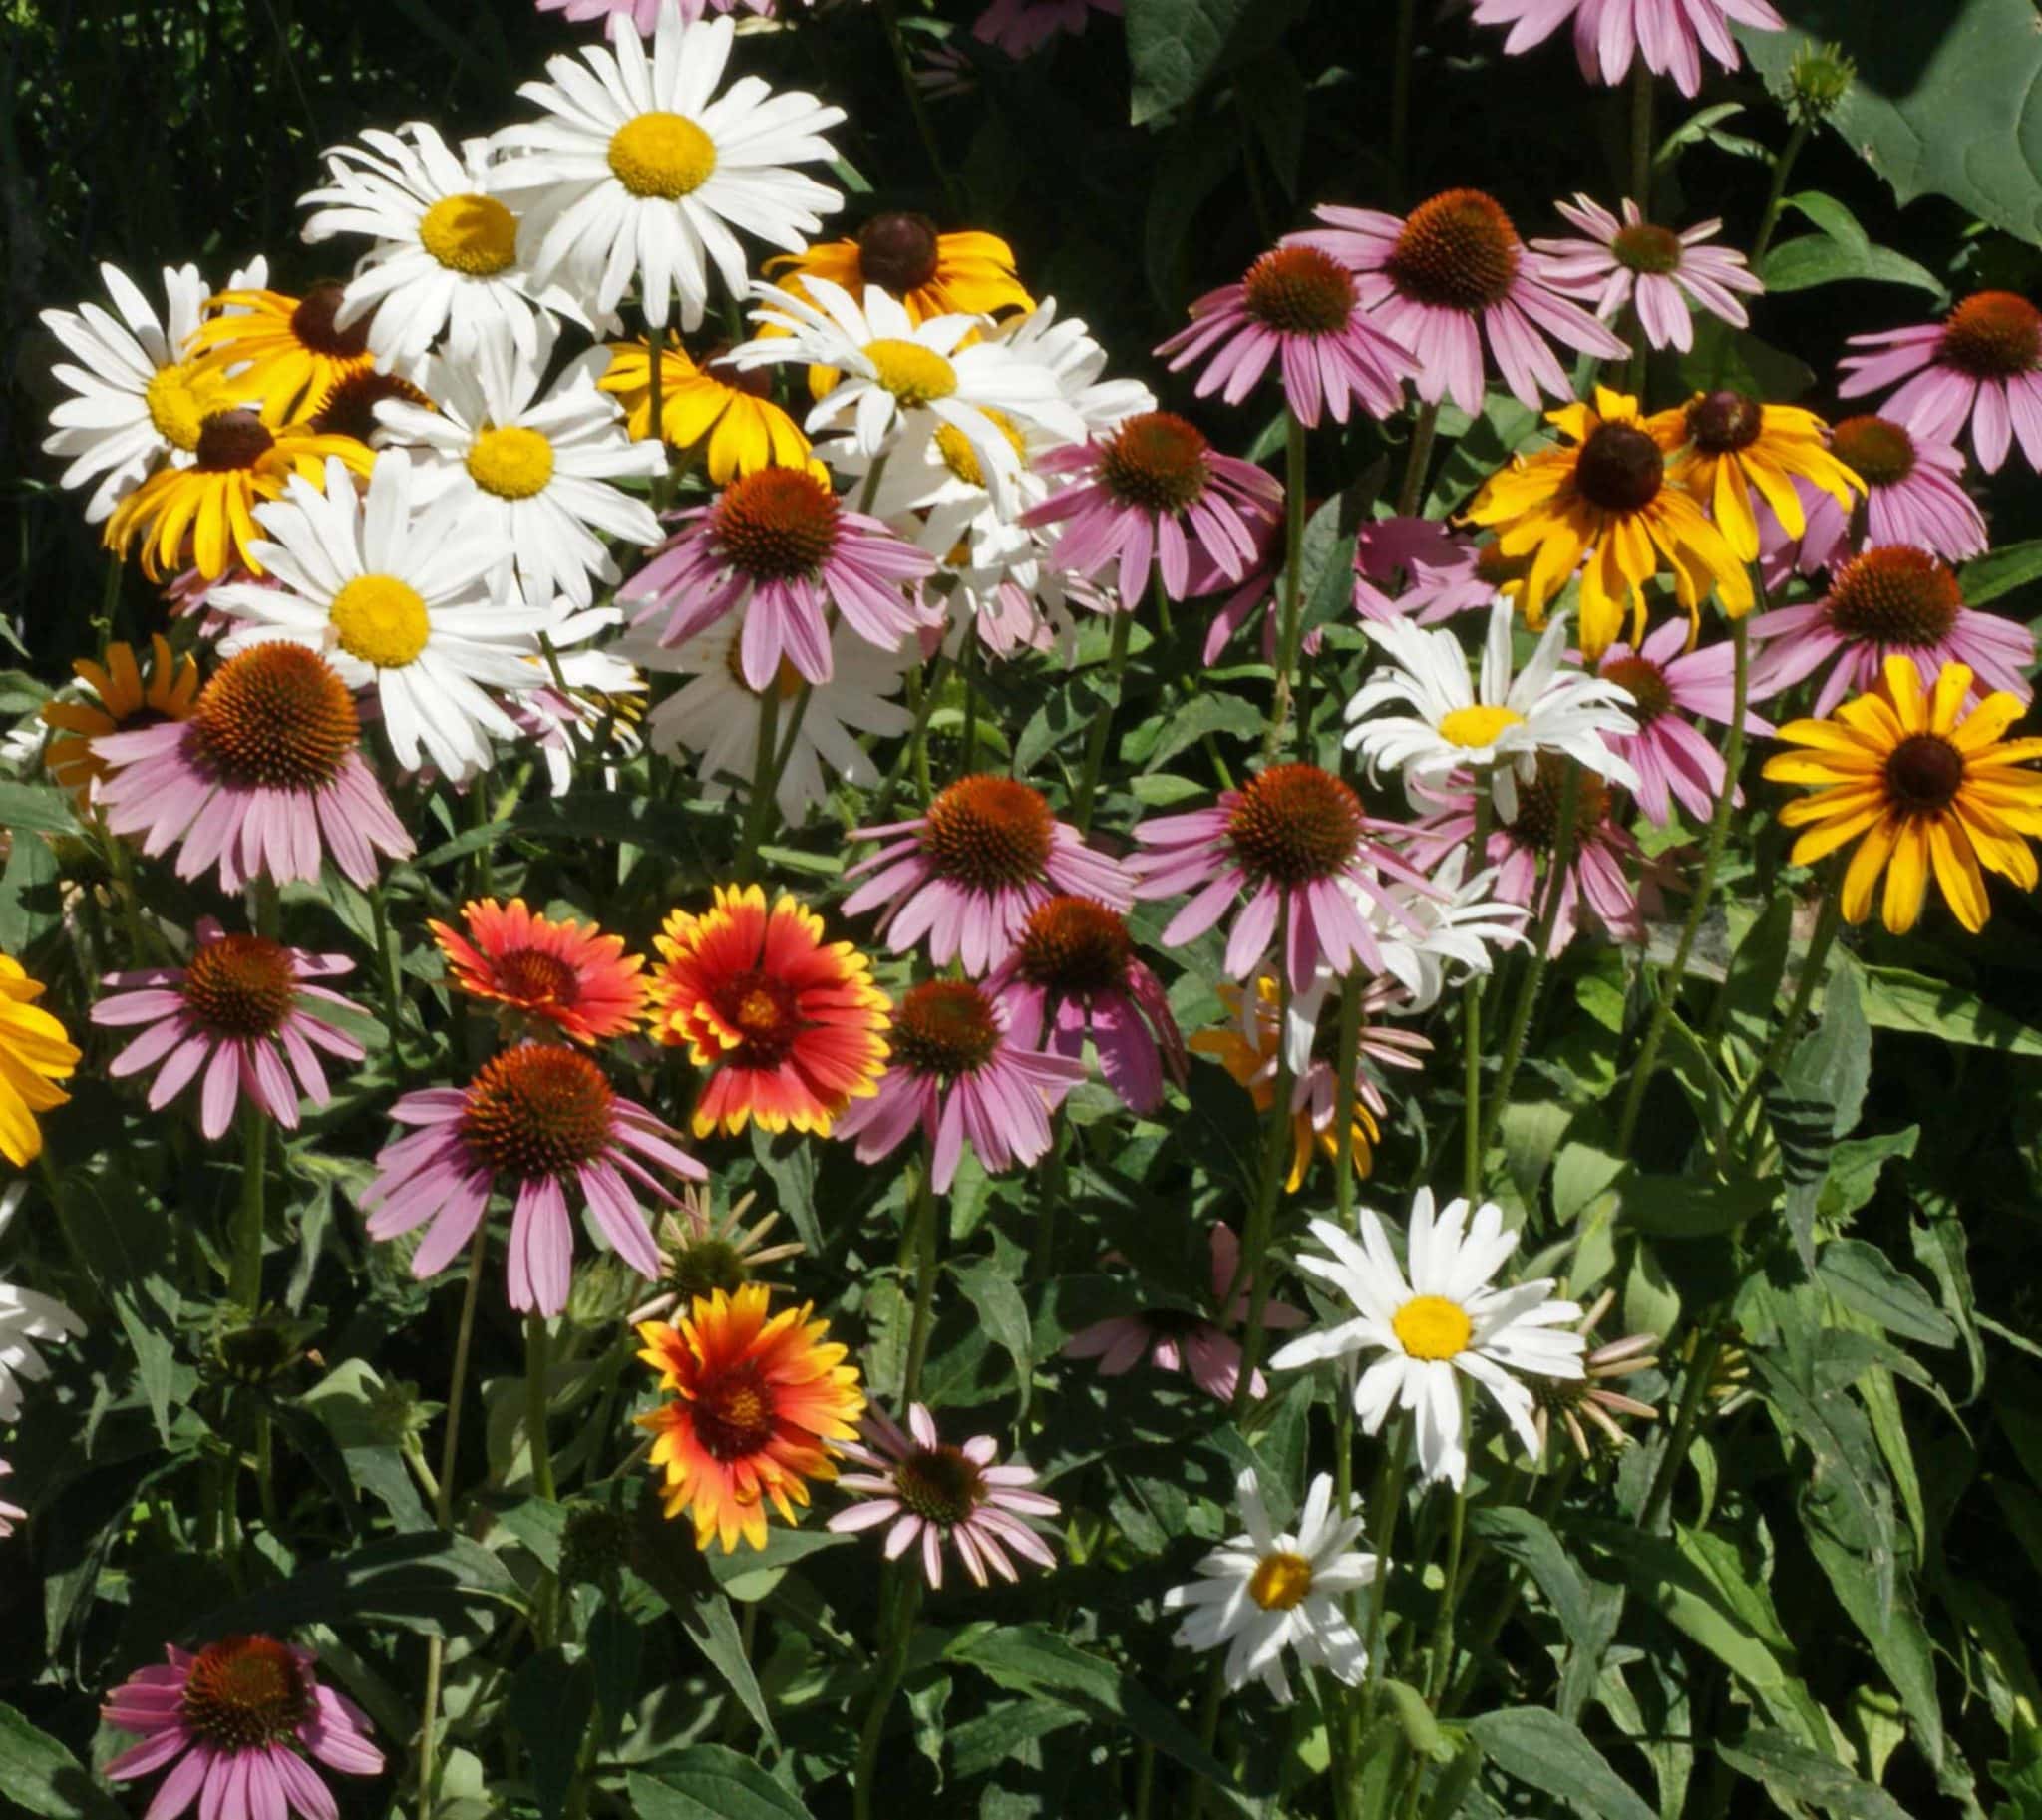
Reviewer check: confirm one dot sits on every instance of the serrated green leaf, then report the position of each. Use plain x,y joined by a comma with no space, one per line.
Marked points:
1792,1772
1542,1751
710,1782
1896,999
1862,1277
1174,49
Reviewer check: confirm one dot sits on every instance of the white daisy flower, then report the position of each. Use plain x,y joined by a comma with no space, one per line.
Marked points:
638,172
531,463
1446,1322
604,700
134,401
448,256
1264,1593
1494,721
398,602
717,716
904,383
25,1317
1435,938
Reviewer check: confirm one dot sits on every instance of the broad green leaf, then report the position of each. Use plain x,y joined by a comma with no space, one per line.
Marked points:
1067,715
419,1583
1792,1772
752,1573
1856,1166
1684,1207
1999,571
1542,1751
1192,721
1519,1536
1862,1277
1421,1730
1896,999
549,1705
36,808
1175,47
1751,991
663,1555
710,1782
345,1403
44,1778
1844,1457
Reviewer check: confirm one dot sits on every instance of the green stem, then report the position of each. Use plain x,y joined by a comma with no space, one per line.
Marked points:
764,779
1443,1633
1290,628
1776,197
1827,921
923,1238
904,1604
1101,721
969,663
535,1408
1470,1013
1694,1394
1386,1507
244,1281
1208,1727
1346,1052
1042,1263
1425,431
1262,1216
391,980
889,16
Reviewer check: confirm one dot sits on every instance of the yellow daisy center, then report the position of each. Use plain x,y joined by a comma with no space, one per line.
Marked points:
962,459
662,155
177,406
469,233
1477,726
1431,1326
513,463
912,373
381,620
1281,1582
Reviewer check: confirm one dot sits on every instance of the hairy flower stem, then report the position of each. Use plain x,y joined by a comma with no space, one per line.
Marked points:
1698,905
897,1630
1694,1394
393,981
1470,1013
1209,1729
1290,631
922,1237
1828,920
1776,197
1443,1633
244,1280
1425,429
764,751
1384,1509
1101,721
1262,1216
535,1407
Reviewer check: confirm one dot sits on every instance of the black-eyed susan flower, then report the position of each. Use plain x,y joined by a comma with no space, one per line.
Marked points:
728,413
122,698
285,353
34,1055
931,273
1731,447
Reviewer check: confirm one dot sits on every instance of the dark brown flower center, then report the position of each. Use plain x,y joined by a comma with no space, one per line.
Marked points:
777,523
986,832
704,1265
939,1485
1157,461
898,253
766,1011
231,440
244,1692
945,1027
241,985
1620,468
1537,825
753,382
349,407
537,1110
1492,566
312,323
733,1412
1074,946
1457,251
276,717
1721,423
1896,594
535,978
1294,823
1877,451
1646,249
1299,291
1924,772
1647,683
1995,335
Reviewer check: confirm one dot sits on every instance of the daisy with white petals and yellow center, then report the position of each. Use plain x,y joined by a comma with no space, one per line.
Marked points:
642,169
1442,1325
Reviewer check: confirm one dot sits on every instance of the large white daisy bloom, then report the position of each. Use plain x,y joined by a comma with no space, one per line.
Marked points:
532,463
904,383
1264,1593
717,716
134,402
641,171
1494,721
398,602
449,256
1444,1323
26,1318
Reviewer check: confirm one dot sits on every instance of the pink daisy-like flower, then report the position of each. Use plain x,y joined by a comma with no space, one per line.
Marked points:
244,1009
1659,272
1913,495
541,1118
1176,1339
1154,492
265,779
643,15
1294,838
1452,272
1297,305
967,873
932,1493
1074,974
1893,600
1669,33
1254,595
780,545
1437,573
1023,27
1673,760
234,1725
960,1071
1980,365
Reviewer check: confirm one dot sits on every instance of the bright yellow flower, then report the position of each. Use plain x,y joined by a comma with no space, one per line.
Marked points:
746,430
288,351
1730,444
33,1052
1924,787
125,702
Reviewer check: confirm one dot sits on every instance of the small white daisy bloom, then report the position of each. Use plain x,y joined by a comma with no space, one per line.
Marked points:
638,173
449,256
134,400
532,463
1444,1323
25,1317
1431,939
717,715
603,701
1496,722
904,383
1264,1593
398,602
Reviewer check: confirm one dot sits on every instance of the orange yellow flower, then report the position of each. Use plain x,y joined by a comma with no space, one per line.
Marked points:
734,411
568,974
286,351
123,700
34,1053
760,1403
1732,446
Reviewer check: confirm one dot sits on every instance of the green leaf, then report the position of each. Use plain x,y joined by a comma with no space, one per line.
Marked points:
1862,1277
36,807
549,1706
1519,1536
1856,1163
426,1582
1684,1207
44,1778
1542,1751
1210,712
1066,715
710,1782
1174,48
1843,250
1896,999
663,1555
1752,989
752,1573
1999,571
1421,1730
1793,1772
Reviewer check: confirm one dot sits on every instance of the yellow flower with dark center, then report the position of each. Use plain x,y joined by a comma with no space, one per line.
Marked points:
34,1053
1731,445
289,350
734,411
1925,787
1603,502
125,702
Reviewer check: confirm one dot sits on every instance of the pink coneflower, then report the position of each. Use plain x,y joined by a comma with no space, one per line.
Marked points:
932,1493
1176,1339
234,1724
1254,595
780,545
10,1514
265,779
1153,493
1074,974
1892,600
1437,573
1449,273
1294,838
1673,760
967,873
1913,495
541,1118
1298,305
960,1071
1633,262
1669,33
1981,365
244,1009
1023,27
643,15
